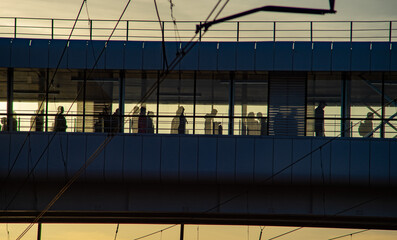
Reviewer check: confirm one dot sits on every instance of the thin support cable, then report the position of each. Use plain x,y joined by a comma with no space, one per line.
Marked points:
261,232
220,11
117,231
350,234
162,26
289,232
44,100
212,11
153,233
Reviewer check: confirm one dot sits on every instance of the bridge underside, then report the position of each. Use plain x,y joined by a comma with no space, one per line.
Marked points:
85,202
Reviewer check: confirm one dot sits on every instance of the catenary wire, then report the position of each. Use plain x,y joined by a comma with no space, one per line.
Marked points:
283,234
49,85
89,161
117,231
350,234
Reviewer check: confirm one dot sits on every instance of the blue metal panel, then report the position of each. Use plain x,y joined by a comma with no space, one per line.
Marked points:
321,56
245,156
39,53
5,140
151,163
188,158
21,167
152,56
379,163
302,56
301,169
133,54
57,157
207,161
321,161
283,53
263,160
359,163
393,162
226,167
76,153
55,54
5,49
95,171
114,158
245,56
380,56
393,57
282,158
208,56
95,59
38,163
77,54
227,56
172,50
190,60
264,57
340,162
115,55
170,159
20,53
341,56
361,56
132,157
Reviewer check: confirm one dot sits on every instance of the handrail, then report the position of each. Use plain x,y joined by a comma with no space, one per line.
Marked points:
140,30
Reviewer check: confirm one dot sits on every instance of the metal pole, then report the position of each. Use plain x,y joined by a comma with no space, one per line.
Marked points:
52,28
10,98
231,104
238,31
194,102
39,231
351,31
127,29
200,33
390,30
15,27
121,100
311,31
182,230
274,31
90,29
158,101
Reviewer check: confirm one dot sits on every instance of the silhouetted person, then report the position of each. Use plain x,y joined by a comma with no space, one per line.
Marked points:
135,119
178,124
142,121
252,124
60,121
209,121
103,122
319,119
4,124
262,124
37,121
115,121
366,127
150,126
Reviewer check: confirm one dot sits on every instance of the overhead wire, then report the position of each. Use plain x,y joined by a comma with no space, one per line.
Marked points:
283,234
350,234
44,99
117,231
162,28
153,233
87,163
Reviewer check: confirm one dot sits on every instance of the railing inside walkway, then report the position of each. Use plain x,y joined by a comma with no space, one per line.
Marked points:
144,30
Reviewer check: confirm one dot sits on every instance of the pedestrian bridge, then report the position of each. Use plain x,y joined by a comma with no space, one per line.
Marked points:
266,180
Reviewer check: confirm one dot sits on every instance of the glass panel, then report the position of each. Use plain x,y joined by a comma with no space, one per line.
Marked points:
3,96
65,99
212,107
250,103
176,103
29,95
390,103
140,101
365,104
323,87
102,102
